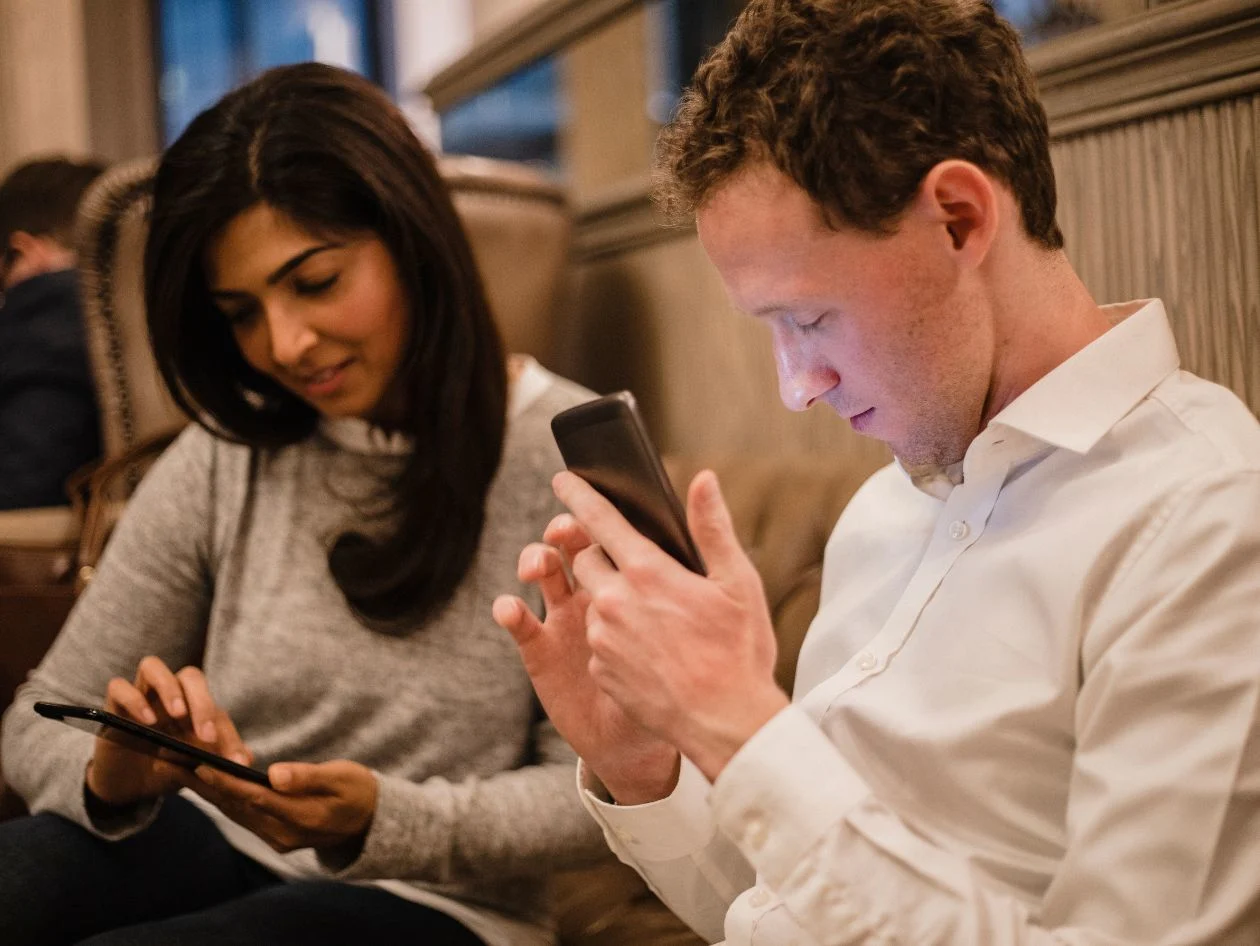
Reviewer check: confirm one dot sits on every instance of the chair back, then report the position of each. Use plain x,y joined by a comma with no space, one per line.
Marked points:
112,227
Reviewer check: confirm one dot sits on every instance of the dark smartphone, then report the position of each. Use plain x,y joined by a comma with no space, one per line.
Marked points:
140,738
605,442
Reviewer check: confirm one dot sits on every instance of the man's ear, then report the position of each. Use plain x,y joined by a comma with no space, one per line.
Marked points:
29,255
963,201
22,243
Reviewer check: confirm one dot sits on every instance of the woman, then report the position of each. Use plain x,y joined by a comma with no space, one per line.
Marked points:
303,581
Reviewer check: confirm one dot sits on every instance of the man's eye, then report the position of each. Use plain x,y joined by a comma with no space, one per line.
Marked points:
315,288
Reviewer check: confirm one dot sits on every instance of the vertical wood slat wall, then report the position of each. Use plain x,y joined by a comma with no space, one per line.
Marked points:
1169,206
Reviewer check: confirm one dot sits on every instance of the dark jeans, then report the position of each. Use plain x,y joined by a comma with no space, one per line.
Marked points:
179,883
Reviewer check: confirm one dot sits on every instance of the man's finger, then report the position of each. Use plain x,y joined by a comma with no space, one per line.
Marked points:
514,616
593,568
603,523
541,565
566,533
711,526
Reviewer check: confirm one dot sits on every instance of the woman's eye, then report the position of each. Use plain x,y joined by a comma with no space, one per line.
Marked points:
239,318
314,288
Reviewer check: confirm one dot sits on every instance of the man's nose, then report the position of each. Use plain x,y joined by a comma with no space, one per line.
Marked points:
290,337
803,377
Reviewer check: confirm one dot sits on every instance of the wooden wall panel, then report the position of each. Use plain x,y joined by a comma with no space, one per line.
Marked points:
1168,206
43,80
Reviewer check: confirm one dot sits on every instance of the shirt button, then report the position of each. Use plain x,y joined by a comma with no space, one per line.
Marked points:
755,833
760,897
866,661
958,529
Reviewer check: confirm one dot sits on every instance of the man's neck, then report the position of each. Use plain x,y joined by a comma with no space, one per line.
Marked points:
1044,315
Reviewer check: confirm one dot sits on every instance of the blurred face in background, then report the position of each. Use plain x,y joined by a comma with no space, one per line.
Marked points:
28,255
325,317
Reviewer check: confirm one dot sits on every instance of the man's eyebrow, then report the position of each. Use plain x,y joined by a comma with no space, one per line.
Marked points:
773,308
285,268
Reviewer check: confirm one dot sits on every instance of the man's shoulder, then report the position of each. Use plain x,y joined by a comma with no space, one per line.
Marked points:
1208,420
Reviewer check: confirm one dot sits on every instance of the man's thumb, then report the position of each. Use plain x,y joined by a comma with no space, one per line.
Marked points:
711,525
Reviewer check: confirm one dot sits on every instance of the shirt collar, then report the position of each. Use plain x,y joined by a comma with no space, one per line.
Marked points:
1078,402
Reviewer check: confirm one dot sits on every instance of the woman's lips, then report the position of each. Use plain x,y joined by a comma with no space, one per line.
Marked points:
325,381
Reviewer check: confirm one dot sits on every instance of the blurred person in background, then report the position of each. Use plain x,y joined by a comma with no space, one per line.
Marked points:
49,425
303,580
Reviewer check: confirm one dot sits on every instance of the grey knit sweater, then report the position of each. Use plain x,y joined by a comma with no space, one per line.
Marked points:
223,551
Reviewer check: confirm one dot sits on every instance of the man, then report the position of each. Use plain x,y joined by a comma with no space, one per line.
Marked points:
49,426
1026,711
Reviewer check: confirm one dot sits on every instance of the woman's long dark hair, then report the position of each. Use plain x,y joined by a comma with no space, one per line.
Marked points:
328,148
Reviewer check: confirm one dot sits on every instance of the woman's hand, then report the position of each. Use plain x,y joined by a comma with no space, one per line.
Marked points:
324,805
177,703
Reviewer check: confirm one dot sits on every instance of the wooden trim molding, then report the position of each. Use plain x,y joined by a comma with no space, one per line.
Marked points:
547,28
620,220
1173,57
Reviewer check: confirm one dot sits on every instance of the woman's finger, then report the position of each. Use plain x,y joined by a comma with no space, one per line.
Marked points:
202,709
154,676
123,698
230,743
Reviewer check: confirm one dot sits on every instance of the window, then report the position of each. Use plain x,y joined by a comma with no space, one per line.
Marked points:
209,47
517,119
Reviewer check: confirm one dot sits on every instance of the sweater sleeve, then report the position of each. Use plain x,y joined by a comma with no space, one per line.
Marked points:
150,595
513,823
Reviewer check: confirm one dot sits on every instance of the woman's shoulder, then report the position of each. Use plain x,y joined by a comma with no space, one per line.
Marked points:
539,394
196,448
530,451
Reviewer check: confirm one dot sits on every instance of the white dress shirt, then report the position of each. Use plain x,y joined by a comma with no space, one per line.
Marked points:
1026,712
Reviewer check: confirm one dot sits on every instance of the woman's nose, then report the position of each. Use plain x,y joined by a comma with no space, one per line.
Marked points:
290,337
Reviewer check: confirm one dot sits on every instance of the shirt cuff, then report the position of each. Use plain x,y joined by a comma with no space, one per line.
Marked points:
782,791
676,826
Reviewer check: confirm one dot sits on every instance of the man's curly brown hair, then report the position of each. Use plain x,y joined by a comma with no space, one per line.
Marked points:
855,101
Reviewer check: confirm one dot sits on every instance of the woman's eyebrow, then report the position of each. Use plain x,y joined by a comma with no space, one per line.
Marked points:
284,269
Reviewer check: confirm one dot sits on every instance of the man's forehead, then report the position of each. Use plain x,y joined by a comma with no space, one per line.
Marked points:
759,230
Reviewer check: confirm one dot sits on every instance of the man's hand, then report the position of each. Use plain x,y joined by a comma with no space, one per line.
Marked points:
325,805
634,765
177,703
686,657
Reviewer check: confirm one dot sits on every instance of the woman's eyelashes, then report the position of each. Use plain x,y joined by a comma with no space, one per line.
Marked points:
240,316
243,315
305,287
